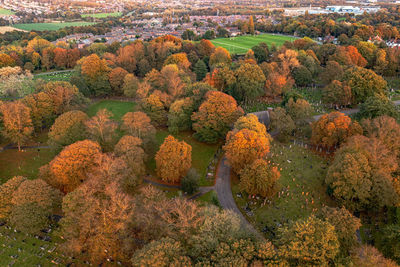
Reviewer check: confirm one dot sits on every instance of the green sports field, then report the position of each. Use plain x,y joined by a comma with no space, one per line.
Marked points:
4,11
241,44
52,26
102,15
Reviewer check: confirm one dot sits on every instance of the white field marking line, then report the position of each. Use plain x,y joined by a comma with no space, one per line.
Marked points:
231,45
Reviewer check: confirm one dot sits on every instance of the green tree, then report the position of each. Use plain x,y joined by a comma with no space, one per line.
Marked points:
190,182
376,106
309,241
281,123
179,117
6,192
302,76
364,83
200,68
67,129
249,82
32,204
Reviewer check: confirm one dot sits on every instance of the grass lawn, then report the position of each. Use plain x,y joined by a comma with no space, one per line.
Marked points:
27,163
302,189
241,44
50,77
116,107
102,15
4,11
18,249
202,153
52,26
208,198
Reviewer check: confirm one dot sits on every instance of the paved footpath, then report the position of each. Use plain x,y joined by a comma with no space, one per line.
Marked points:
225,197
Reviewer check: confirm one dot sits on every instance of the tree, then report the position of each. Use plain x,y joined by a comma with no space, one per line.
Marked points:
117,78
179,116
200,68
188,35
391,241
215,116
173,159
346,225
164,252
381,62
369,256
222,78
71,167
220,56
179,59
261,52
338,94
333,129
130,85
155,107
308,241
245,146
376,106
32,204
6,61
250,122
302,76
95,220
249,82
102,129
129,149
190,182
251,25
364,83
95,72
67,129
300,110
61,57
259,178
7,190
361,175
386,129
281,123
205,48
17,123
138,124
332,71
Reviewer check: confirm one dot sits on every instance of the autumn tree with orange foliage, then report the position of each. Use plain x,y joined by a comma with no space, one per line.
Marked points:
245,146
173,160
95,72
116,78
215,117
179,59
259,178
71,167
96,216
205,48
17,123
333,129
6,61
61,57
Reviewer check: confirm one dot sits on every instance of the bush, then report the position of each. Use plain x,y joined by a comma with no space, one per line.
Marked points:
190,183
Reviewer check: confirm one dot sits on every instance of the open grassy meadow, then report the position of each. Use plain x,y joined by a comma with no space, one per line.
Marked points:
241,44
116,107
6,12
302,189
51,26
102,15
26,163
